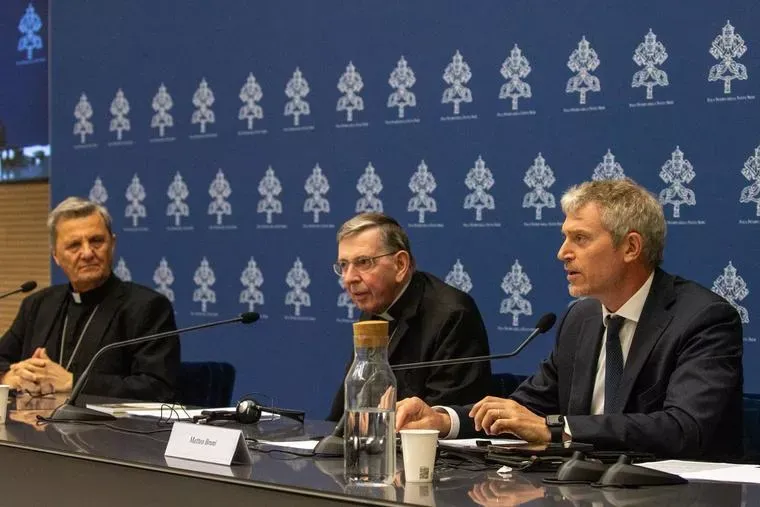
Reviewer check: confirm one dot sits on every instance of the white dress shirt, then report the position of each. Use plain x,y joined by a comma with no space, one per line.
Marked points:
631,311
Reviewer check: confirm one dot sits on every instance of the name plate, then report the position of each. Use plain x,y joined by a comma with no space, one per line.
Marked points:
203,442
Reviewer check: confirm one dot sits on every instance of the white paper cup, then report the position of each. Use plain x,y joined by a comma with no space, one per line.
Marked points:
4,402
418,448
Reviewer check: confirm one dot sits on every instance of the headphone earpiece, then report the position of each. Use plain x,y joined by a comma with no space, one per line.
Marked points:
248,411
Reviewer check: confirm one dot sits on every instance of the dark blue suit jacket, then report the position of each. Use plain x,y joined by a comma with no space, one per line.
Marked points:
682,383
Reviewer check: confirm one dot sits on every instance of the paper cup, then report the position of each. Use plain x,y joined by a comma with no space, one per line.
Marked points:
4,389
418,447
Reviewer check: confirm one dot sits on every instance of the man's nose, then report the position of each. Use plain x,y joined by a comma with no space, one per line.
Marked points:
87,250
563,252
350,274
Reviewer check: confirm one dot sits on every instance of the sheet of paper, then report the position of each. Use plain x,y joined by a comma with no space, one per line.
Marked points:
122,408
739,473
679,467
177,414
460,443
705,471
470,442
174,413
307,445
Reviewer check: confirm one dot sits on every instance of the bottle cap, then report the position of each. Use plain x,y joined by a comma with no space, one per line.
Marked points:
371,333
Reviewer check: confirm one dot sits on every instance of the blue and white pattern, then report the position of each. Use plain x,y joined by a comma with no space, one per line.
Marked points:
466,123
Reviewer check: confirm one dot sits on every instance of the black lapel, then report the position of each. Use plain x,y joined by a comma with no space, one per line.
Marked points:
101,321
50,308
654,319
584,368
405,309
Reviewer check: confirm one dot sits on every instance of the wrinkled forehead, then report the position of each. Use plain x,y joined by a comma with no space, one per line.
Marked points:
364,243
68,229
586,216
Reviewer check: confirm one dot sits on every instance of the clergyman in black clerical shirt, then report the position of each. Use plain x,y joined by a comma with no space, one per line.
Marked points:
59,329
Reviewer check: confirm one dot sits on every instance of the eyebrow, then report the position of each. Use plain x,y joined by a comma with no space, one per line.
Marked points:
343,259
576,229
93,237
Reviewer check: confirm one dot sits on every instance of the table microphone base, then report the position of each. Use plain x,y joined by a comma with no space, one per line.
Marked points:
330,445
67,412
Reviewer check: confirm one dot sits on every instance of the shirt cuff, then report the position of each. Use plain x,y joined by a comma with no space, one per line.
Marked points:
454,428
567,429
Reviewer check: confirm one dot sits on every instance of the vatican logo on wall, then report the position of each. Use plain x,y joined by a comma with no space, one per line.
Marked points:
297,281
135,210
204,278
733,288
516,284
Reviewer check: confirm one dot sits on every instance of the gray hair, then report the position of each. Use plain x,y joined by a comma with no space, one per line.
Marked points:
392,235
624,206
75,207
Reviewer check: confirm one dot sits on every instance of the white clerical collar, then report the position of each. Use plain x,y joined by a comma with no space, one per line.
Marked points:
77,298
387,316
632,308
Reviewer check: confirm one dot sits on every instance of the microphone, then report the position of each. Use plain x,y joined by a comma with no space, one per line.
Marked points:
70,412
332,445
545,323
25,287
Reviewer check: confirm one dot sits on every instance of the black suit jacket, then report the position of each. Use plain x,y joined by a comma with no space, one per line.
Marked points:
147,371
682,383
433,320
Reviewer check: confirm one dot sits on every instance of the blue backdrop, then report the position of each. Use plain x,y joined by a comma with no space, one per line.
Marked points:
24,146
229,141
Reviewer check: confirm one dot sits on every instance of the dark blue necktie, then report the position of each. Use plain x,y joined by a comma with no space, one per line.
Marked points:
614,368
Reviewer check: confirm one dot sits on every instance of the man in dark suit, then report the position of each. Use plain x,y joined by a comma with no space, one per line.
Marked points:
59,329
648,361
428,319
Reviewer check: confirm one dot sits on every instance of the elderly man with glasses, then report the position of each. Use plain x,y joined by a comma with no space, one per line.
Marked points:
428,319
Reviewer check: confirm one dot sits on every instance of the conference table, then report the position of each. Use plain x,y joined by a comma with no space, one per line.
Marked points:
122,462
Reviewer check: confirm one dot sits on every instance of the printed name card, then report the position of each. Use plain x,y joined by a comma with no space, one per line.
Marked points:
212,444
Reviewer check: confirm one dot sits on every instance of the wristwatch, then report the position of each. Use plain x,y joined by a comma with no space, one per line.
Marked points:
556,425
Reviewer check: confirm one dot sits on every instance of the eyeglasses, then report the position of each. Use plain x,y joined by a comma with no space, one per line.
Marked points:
360,263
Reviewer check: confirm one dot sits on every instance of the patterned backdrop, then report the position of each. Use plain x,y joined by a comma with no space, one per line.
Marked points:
24,146
230,141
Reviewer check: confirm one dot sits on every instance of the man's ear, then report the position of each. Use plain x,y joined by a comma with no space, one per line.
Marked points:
403,263
55,257
633,245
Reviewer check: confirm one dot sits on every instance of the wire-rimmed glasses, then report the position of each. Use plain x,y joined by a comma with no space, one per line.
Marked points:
362,263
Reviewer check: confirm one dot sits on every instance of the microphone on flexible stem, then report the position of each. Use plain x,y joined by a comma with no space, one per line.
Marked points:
25,287
332,445
69,411
544,324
